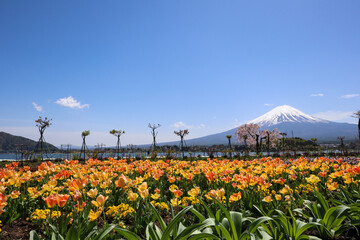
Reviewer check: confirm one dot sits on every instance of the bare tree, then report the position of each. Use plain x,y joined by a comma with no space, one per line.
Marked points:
154,133
314,140
271,138
131,149
245,137
181,134
99,151
117,133
283,134
42,124
342,146
84,134
66,150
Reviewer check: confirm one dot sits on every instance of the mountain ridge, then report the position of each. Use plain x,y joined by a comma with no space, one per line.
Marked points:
285,113
288,120
10,143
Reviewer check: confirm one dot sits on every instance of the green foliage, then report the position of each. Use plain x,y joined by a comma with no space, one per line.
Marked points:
330,220
85,133
174,230
232,225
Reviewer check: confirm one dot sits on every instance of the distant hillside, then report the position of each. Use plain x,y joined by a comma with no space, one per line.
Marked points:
324,132
9,143
287,120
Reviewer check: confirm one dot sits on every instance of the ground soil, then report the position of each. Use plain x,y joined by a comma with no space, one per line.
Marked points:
19,229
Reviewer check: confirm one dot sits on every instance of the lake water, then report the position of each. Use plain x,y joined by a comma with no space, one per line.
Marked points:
13,156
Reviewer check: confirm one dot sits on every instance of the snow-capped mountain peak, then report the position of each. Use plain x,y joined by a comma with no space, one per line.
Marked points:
285,113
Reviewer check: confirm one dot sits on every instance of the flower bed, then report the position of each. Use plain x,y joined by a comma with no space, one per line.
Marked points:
129,197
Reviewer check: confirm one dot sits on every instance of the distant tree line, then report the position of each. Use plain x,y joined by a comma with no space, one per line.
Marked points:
250,138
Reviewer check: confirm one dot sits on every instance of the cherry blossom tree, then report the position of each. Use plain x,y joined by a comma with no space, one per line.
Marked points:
271,138
252,135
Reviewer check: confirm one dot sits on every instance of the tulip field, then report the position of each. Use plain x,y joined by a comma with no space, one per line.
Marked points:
268,198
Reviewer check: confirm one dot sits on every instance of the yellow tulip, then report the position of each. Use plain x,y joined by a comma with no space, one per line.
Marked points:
92,192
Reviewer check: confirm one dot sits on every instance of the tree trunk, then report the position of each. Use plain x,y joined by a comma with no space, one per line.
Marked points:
257,144
359,130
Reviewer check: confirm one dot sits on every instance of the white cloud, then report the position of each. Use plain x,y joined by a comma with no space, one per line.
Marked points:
71,103
184,125
37,107
269,104
350,95
317,95
337,116
180,124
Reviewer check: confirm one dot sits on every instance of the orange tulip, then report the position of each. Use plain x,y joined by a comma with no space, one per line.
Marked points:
194,192
226,179
210,176
15,194
50,201
77,184
62,199
94,183
267,199
235,197
144,193
178,193
80,207
3,202
65,173
76,195
122,182
100,201
171,179
217,194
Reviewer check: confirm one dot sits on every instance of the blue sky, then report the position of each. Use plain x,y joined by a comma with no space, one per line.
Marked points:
204,65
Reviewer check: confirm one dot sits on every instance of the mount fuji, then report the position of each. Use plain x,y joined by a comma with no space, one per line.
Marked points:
291,121
284,114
